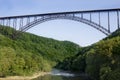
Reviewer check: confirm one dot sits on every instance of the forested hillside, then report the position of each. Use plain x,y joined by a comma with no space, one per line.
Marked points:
25,53
101,61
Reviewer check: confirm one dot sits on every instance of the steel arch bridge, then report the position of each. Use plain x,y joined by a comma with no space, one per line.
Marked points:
25,22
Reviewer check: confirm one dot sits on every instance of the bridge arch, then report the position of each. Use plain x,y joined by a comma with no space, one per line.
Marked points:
69,17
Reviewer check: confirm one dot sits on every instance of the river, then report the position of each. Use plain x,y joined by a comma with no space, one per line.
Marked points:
63,75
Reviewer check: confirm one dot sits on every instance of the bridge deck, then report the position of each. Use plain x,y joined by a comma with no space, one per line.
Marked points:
85,11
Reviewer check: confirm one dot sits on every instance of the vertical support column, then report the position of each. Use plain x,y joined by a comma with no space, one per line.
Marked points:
73,15
0,22
42,17
15,23
82,15
99,19
21,24
35,18
28,20
90,17
3,22
118,23
65,14
14,33
108,21
8,22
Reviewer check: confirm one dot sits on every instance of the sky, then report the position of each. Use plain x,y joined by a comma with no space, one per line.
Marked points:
76,32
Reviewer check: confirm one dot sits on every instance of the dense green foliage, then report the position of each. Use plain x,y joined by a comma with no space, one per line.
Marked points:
25,53
74,63
101,61
104,59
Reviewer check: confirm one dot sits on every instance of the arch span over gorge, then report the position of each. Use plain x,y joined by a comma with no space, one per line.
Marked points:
25,22
69,17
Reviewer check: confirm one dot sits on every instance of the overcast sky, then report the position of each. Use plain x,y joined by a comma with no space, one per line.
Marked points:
79,33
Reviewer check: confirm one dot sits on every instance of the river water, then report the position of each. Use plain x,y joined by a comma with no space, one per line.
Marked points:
63,75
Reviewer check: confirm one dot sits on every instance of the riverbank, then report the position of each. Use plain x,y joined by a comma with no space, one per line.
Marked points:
36,75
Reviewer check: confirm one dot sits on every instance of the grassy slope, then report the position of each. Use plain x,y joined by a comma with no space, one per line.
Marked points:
29,53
